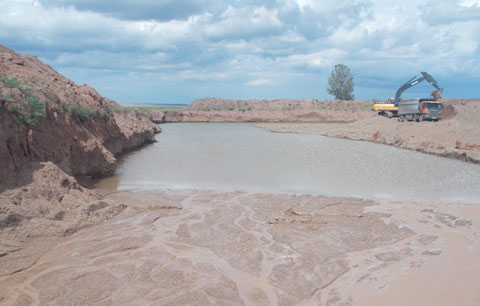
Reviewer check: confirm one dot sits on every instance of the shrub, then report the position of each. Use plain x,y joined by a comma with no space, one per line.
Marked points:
27,108
106,115
82,112
9,96
35,110
13,109
29,111
9,83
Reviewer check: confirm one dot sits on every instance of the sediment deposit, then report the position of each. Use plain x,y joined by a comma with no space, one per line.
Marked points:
233,248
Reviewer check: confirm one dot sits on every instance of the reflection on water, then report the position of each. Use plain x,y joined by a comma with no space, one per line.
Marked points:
225,156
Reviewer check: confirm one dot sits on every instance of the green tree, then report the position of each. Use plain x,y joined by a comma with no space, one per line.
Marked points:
340,83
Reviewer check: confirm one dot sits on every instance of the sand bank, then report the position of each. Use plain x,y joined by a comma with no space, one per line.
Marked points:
456,136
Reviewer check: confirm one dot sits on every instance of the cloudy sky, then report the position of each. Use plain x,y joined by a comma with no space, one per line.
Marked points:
173,51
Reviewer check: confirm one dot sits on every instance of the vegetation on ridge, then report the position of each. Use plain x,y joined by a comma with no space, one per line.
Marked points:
25,105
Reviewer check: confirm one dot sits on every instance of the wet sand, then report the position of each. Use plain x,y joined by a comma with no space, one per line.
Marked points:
235,248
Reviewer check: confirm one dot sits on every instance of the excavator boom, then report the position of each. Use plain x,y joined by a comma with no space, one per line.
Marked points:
431,80
437,94
414,81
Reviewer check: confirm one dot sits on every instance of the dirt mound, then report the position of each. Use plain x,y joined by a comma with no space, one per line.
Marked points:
216,104
449,111
52,205
281,110
437,94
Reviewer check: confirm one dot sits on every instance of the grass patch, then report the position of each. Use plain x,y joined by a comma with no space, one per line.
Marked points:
9,82
83,113
141,109
28,109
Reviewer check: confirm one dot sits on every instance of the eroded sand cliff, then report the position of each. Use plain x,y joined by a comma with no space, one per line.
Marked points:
53,131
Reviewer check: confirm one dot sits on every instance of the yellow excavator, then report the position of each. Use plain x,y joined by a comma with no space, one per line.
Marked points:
389,108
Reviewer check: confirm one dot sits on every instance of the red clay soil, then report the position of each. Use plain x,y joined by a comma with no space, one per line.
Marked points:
51,131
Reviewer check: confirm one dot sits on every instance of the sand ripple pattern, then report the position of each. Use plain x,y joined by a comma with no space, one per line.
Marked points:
235,248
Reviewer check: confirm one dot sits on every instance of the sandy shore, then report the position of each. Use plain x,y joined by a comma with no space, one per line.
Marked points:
234,248
426,137
456,136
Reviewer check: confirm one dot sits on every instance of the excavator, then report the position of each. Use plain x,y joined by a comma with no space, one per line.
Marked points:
413,109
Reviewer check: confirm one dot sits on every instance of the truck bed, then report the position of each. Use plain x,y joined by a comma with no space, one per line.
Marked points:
406,107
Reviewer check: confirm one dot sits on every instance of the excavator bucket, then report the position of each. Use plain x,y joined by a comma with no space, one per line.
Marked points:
437,94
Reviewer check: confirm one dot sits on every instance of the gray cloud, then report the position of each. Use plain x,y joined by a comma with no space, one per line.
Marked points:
260,43
436,13
143,9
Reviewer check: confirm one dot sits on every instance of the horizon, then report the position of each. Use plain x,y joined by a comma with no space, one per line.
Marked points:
173,52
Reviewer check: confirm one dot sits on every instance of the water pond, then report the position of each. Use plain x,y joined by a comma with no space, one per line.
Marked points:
237,156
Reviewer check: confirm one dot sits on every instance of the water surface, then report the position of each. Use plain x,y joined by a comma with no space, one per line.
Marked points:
231,156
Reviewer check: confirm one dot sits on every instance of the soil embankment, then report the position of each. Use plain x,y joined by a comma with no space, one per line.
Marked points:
282,110
53,131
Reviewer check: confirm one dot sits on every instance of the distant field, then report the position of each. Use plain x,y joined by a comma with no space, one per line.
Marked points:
157,107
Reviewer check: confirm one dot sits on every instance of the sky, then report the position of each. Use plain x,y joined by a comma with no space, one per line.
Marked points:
174,51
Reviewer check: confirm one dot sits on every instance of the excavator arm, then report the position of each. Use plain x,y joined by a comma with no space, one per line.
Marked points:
437,94
414,81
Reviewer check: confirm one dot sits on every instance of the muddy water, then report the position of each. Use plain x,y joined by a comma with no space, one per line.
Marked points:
219,156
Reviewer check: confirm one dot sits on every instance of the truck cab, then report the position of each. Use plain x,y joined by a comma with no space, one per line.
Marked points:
430,109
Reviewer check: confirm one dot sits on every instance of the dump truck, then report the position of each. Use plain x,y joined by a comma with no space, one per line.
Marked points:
419,109
413,109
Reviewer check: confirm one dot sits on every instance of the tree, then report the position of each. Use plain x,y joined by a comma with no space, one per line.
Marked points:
340,83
